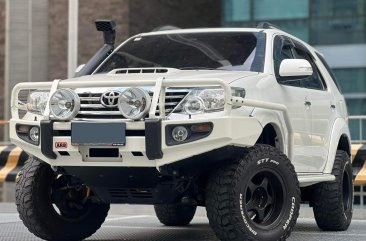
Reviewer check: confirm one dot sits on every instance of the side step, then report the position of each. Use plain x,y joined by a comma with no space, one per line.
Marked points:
310,179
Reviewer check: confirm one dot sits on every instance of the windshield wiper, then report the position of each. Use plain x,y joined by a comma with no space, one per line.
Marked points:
197,67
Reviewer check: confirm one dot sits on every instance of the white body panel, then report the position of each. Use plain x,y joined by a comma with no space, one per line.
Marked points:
309,135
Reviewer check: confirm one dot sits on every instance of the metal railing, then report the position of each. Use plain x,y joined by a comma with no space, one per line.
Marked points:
360,196
358,136
356,125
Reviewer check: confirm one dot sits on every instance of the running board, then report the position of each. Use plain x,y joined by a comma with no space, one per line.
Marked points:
307,180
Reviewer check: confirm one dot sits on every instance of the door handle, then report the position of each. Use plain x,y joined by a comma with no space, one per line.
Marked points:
332,107
307,103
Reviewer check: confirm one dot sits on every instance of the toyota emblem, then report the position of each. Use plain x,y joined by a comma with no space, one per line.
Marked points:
110,98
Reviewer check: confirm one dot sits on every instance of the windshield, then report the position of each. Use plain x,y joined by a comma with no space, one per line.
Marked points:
243,51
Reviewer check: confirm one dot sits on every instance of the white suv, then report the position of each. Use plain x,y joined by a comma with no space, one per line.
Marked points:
246,122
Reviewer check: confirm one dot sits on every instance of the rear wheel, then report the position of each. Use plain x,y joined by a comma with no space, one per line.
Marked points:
56,207
175,214
257,197
333,201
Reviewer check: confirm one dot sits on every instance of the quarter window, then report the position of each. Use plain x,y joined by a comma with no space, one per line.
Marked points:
329,70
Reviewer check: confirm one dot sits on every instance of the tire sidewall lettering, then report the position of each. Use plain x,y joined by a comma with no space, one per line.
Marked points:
291,202
267,161
246,223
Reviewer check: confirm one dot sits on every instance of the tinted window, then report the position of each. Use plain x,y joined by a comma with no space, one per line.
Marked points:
314,81
283,49
329,70
217,50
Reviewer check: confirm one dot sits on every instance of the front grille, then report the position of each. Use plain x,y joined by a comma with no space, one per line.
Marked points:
91,107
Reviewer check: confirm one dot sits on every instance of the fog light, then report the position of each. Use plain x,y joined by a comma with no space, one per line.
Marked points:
180,133
64,104
134,103
34,134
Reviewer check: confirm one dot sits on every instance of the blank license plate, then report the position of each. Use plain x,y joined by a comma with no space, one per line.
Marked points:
98,134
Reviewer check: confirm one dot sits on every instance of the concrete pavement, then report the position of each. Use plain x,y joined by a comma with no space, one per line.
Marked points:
138,223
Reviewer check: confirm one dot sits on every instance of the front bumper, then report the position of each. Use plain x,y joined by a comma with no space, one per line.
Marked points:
146,144
231,127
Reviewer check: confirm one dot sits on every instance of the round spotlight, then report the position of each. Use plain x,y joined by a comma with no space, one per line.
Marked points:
34,134
134,103
64,104
180,133
194,105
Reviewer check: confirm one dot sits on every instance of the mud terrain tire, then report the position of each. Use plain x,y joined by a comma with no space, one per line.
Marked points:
256,197
333,201
175,214
36,208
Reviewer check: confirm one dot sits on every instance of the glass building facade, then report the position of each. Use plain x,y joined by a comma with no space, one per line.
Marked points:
337,28
320,22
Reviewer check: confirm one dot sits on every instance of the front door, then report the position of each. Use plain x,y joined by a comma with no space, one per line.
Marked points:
297,100
323,113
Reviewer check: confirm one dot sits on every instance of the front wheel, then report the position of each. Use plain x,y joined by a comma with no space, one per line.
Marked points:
256,197
56,207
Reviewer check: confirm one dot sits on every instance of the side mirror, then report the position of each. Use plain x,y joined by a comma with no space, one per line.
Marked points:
295,68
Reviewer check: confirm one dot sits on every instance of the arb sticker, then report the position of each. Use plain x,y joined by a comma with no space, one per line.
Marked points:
61,144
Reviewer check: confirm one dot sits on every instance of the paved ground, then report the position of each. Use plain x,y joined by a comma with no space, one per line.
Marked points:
138,223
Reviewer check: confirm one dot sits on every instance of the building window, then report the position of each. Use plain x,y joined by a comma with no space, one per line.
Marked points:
352,82
280,9
325,31
337,8
337,21
236,10
248,13
320,22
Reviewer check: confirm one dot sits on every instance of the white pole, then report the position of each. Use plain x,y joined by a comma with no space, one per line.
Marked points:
6,91
72,56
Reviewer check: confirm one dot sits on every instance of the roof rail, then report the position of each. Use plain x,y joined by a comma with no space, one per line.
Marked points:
267,25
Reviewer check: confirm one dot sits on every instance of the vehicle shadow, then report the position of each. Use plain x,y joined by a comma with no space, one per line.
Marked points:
161,233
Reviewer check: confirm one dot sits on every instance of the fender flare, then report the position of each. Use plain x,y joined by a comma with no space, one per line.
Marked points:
340,128
274,118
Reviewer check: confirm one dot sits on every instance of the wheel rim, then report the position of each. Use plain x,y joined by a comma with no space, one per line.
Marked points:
347,190
264,197
70,197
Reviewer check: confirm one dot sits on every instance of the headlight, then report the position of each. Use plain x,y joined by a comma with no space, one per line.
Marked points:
37,102
64,104
202,100
206,100
134,103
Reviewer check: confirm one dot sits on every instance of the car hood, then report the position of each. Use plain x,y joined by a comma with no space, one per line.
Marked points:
226,76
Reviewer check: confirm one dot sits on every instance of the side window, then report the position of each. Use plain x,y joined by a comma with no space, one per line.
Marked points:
314,81
329,70
283,49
